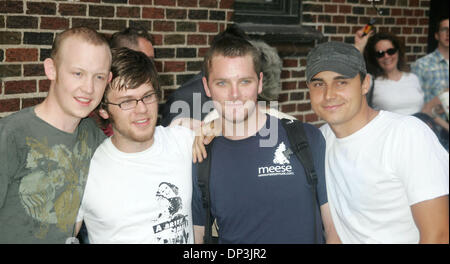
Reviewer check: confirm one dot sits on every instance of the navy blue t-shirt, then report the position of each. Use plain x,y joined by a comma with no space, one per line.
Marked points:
260,194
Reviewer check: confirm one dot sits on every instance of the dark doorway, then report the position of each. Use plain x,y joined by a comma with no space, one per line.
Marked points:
438,10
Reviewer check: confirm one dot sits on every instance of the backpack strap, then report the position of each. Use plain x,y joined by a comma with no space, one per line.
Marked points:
204,172
299,144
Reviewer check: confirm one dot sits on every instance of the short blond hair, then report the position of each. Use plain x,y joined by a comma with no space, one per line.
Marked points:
89,35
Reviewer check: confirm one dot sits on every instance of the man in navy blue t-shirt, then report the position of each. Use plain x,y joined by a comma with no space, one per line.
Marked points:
259,191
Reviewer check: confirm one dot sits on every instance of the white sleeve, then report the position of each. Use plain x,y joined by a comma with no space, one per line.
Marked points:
417,84
419,160
184,137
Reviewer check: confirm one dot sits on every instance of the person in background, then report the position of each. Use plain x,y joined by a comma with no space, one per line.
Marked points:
432,71
135,38
45,151
393,88
387,175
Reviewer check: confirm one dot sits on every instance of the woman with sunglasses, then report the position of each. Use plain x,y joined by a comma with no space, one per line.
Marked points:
394,88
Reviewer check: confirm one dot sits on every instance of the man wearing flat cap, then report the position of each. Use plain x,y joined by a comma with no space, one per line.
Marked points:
387,174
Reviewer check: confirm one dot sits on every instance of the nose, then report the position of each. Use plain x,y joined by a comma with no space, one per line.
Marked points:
235,91
141,107
88,86
330,92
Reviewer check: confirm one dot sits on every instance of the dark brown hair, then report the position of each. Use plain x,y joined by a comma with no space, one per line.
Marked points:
230,46
369,53
129,37
130,70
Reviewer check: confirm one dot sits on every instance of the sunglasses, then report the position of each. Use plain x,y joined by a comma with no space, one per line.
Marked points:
380,53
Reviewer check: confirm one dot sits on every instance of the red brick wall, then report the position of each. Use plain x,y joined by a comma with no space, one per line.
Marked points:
338,20
182,31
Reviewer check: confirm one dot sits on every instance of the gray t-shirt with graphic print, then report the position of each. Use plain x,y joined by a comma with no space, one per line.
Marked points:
43,173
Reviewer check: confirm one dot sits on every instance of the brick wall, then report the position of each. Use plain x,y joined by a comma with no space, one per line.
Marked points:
338,20
182,31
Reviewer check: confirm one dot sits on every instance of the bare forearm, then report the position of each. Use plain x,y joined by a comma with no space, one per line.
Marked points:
441,122
199,232
331,235
431,218
440,237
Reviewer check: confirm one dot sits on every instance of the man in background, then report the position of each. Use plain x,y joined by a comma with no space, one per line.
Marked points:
432,71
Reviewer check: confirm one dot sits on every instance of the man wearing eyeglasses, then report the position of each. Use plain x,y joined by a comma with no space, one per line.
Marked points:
136,38
432,71
139,186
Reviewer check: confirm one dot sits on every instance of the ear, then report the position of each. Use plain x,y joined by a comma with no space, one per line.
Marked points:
260,83
205,86
110,77
436,36
50,69
366,84
103,113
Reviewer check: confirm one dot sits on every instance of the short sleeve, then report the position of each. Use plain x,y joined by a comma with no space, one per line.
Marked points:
9,160
420,161
417,69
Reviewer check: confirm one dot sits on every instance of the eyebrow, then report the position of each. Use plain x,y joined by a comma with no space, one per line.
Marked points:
79,68
242,78
129,97
340,77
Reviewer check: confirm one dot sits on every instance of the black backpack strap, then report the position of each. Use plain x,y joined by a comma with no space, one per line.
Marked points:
299,144
204,171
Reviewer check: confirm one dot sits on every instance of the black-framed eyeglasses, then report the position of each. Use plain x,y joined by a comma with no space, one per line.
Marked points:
132,103
380,53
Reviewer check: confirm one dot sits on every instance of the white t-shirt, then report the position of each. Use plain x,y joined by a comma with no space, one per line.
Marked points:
404,96
374,176
142,197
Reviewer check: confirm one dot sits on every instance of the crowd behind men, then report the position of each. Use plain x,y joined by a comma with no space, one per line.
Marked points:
369,194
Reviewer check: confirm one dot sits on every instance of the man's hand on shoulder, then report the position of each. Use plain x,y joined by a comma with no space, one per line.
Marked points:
203,136
190,123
